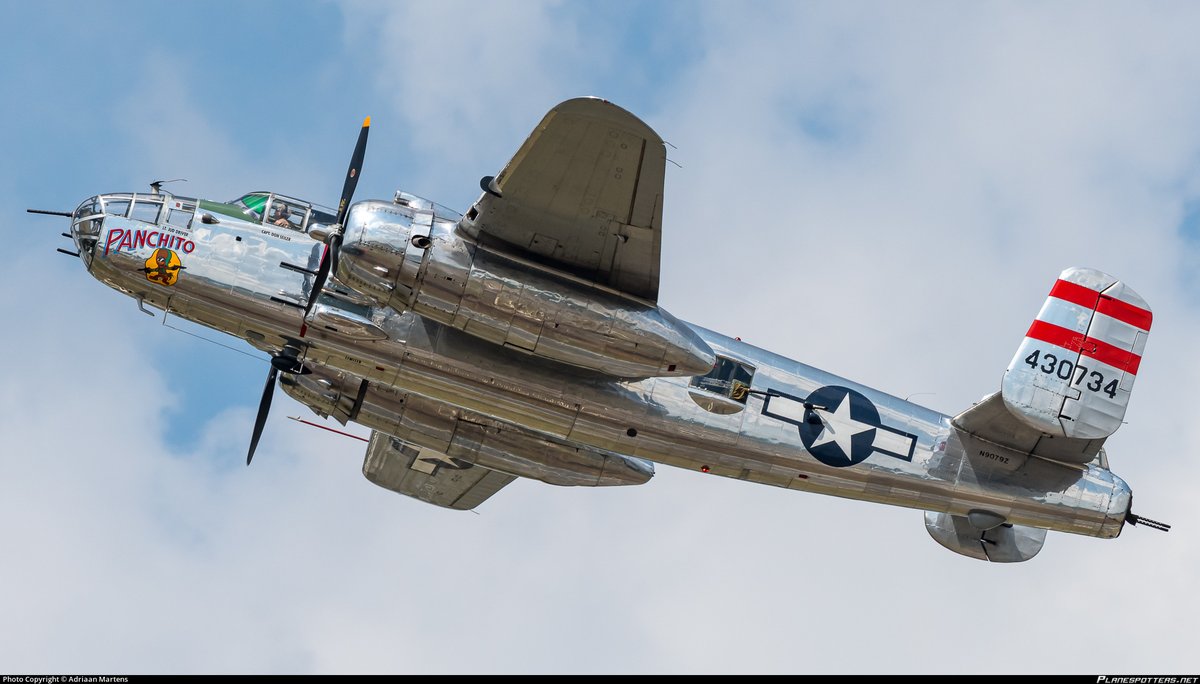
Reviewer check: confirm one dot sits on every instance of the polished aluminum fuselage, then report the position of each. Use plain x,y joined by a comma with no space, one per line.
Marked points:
233,282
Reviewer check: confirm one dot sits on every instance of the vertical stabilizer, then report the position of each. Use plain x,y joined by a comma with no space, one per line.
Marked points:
1074,371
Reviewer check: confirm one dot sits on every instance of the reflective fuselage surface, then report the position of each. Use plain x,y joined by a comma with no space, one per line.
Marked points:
756,416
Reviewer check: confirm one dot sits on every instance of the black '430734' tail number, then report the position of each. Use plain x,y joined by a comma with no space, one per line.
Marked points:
1063,368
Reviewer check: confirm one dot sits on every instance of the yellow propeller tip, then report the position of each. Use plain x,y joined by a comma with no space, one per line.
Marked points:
366,122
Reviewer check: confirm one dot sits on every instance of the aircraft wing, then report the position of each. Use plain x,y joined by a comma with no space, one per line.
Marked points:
583,195
428,475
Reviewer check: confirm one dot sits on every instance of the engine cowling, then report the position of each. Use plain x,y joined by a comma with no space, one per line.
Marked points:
407,256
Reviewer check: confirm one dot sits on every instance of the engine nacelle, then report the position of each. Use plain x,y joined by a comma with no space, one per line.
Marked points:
473,439
410,256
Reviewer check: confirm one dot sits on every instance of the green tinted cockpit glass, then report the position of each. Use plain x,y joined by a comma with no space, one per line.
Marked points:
253,203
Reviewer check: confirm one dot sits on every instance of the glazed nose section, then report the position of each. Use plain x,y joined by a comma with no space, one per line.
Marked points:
87,224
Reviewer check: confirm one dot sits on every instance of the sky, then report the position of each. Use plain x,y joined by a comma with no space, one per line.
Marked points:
883,190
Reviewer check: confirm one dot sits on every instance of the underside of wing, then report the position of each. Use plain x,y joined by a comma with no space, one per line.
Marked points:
583,195
428,475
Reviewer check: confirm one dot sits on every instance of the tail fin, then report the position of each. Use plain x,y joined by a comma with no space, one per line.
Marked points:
1074,371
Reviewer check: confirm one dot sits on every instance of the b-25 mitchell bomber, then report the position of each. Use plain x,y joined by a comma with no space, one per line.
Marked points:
524,338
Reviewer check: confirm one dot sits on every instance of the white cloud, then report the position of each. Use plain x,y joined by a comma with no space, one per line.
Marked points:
464,76
167,128
914,176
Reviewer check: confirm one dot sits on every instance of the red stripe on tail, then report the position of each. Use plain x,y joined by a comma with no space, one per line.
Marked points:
1075,293
1088,346
1125,312
1109,306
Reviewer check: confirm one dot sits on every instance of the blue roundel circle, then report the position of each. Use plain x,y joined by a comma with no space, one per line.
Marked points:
839,429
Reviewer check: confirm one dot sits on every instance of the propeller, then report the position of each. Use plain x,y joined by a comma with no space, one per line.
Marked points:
286,361
264,407
333,242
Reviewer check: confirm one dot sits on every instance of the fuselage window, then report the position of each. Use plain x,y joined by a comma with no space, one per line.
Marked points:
180,218
283,214
116,207
91,207
319,216
728,378
146,211
279,215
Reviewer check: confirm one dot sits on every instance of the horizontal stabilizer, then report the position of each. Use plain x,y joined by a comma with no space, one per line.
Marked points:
992,421
999,543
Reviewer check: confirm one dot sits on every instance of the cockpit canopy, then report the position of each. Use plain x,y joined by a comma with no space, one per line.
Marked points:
265,208
273,209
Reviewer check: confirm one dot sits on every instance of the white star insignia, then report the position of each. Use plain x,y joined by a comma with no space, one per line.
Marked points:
839,427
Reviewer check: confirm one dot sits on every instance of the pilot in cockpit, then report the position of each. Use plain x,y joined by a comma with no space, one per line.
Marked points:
280,215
